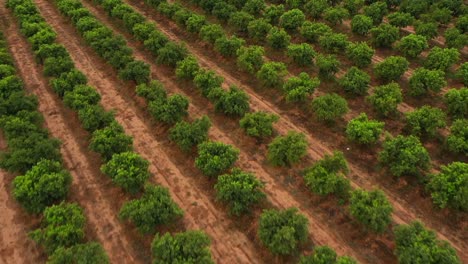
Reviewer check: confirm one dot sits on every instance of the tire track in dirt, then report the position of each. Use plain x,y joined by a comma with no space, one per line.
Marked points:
100,217
404,212
228,244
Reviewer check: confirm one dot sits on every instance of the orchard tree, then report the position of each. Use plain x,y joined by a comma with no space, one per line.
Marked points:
412,45
312,31
272,74
299,88
155,42
195,22
329,107
254,7
187,68
400,19
127,170
462,73
462,23
240,20
449,187
234,102
328,65
44,184
191,247
258,29
456,101
376,11
228,46
67,81
457,141
302,54
278,38
151,91
353,6
415,7
62,226
391,69
81,96
287,150
321,255
250,58
361,24
90,252
223,11
426,29
328,176
441,58
215,158
440,15
49,50
385,98
334,42
240,190
315,8
110,140
169,110
360,53
282,231
372,209
454,38
335,15
355,81
384,35
364,131
273,13
94,117
154,208
404,156
207,80
136,71
416,244
258,124
211,32
188,135
292,19
55,66
171,53
424,81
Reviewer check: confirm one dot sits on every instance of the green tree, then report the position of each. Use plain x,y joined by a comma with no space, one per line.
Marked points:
190,247
278,38
50,50
353,6
240,190
364,131
322,255
457,141
376,11
94,117
137,71
404,155
355,81
228,46
416,244
372,209
44,184
254,7
302,54
110,140
154,208
426,29
234,102
292,19
81,96
157,41
312,31
223,11
329,107
127,170
334,42
250,58
142,31
412,45
328,65
91,252
441,58
282,231
335,15
415,7
169,110
211,32
298,88
327,176
258,29
386,98
187,68
462,73
384,35
215,158
272,74
62,226
195,22
171,53
315,8
454,38
273,13
423,81
287,150
462,23
55,66
456,101
207,80
400,19
67,81
258,124
151,91
361,24
188,135
240,20
449,187
360,54
391,69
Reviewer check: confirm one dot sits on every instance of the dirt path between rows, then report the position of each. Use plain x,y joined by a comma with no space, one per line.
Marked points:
228,244
86,188
404,210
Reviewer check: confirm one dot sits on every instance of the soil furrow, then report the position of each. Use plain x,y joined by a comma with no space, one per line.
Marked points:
228,244
361,176
101,217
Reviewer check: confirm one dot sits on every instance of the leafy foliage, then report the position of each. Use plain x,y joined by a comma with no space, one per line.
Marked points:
187,135
423,81
287,150
137,71
425,121
302,54
282,231
81,96
154,208
412,45
271,74
384,35
441,58
250,58
361,24
211,32
334,42
328,65
215,157
456,101
234,102
386,98
258,124
169,110
311,31
360,54
364,131
171,53
454,38
376,11
457,141
228,46
90,252
335,15
67,81
449,188
278,38
240,190
110,140
355,81
292,19
372,209
329,107
426,29
258,29
298,88
392,68
400,19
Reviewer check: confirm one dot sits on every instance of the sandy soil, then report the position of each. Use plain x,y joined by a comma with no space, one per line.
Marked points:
405,209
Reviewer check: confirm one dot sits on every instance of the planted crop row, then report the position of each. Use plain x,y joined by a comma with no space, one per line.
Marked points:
44,184
126,168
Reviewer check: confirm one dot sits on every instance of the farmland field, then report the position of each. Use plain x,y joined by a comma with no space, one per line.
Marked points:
237,131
